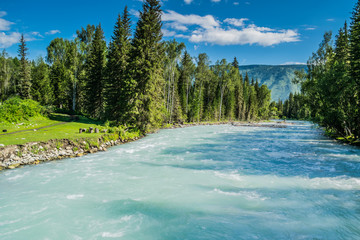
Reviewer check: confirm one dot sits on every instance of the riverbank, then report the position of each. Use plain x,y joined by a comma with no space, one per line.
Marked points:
31,153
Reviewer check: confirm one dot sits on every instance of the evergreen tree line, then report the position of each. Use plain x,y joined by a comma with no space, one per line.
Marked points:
330,89
295,107
137,79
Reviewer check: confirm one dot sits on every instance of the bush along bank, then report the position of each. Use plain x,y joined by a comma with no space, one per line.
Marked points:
14,156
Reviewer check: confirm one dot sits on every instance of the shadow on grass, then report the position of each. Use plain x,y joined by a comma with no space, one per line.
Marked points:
73,118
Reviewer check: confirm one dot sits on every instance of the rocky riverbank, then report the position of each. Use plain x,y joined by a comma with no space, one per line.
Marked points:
14,156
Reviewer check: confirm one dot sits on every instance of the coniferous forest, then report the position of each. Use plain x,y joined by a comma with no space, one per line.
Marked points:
136,79
330,88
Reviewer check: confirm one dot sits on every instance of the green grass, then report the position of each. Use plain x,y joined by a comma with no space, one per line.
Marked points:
34,122
69,130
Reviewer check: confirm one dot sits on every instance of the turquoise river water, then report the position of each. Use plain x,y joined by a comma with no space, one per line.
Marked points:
206,182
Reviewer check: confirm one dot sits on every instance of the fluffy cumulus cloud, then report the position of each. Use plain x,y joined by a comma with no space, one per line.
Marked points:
205,22
188,1
5,25
7,40
236,22
231,31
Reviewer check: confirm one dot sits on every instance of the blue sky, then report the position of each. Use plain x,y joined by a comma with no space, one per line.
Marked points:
255,31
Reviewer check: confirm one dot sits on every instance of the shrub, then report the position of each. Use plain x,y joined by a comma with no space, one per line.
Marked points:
16,110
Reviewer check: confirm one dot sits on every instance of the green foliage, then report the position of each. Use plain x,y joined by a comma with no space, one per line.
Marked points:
15,110
173,52
95,82
93,143
41,90
331,86
59,144
140,82
146,68
119,85
24,81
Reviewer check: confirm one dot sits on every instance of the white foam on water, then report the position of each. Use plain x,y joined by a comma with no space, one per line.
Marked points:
249,195
112,235
348,157
18,176
276,182
74,196
130,151
126,218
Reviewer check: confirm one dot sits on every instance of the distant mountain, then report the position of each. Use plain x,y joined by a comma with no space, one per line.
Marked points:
276,77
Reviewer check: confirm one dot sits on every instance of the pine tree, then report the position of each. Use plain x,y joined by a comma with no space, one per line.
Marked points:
40,88
24,74
239,95
5,75
120,88
246,104
201,77
187,70
147,67
235,63
355,62
95,64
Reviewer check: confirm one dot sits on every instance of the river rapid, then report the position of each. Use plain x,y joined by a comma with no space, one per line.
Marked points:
205,182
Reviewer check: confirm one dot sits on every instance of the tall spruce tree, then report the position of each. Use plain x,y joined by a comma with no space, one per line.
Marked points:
355,62
24,82
187,71
120,87
147,67
235,63
95,64
40,88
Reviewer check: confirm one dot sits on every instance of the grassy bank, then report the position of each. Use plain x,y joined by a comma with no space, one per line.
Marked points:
42,129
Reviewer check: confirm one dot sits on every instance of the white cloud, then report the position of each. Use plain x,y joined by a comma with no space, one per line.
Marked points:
5,25
206,29
310,28
236,3
52,32
207,21
37,34
216,0
244,36
236,22
177,26
188,1
3,13
7,40
168,33
330,20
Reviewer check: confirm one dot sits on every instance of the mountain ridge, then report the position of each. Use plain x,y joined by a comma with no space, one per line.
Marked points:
276,77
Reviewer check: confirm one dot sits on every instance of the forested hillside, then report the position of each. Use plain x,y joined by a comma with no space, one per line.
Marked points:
140,81
276,77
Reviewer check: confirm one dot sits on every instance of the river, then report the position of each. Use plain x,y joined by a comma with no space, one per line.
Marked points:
205,182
